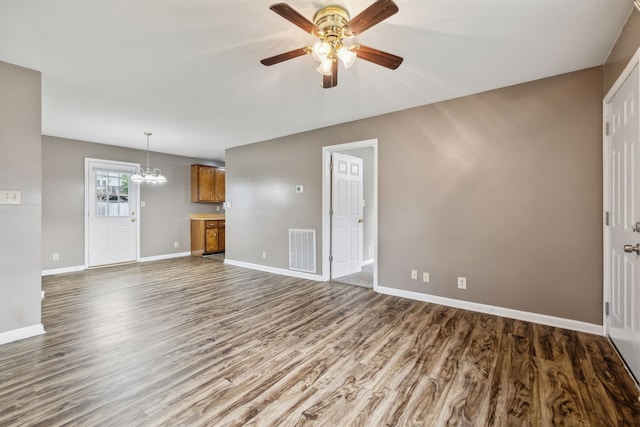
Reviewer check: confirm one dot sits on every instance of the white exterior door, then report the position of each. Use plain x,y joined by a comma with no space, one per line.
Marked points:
346,221
623,193
112,226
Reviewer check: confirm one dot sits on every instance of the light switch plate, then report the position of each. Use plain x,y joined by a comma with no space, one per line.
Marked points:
10,197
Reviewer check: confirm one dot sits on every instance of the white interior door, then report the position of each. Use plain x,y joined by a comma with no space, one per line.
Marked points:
112,200
346,221
623,156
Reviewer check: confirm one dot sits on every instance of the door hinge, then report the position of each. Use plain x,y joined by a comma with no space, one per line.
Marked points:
330,258
606,308
331,165
606,218
607,128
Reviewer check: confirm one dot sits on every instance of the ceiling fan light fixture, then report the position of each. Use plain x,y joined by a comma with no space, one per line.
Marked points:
332,26
347,56
326,67
321,50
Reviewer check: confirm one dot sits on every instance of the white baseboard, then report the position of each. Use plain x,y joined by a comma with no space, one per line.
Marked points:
558,322
22,333
166,256
63,270
144,259
282,271
367,262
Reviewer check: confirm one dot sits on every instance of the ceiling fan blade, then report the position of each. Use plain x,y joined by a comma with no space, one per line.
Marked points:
332,80
290,14
285,56
374,14
378,57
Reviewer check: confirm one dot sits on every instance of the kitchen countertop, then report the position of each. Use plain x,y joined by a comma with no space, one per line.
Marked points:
205,217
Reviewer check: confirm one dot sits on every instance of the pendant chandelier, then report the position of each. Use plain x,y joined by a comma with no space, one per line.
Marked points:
150,176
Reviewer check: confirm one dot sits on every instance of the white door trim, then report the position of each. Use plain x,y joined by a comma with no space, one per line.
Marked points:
87,172
326,203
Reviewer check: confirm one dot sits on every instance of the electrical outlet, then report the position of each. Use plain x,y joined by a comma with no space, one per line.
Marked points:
414,274
56,256
176,244
425,277
143,204
264,254
218,208
41,294
462,283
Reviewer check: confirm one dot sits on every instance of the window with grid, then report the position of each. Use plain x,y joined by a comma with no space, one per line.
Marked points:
112,193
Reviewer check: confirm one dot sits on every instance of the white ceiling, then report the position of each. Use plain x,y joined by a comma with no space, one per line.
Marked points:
189,70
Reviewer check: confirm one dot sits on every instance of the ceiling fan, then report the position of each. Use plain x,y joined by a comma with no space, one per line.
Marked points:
332,26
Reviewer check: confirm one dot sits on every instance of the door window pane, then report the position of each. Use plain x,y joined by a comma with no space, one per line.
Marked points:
112,193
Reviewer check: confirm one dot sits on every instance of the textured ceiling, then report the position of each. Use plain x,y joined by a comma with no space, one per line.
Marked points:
189,70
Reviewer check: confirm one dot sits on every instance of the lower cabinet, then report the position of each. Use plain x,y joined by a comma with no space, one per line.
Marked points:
207,236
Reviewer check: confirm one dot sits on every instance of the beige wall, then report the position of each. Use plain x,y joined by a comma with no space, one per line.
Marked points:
163,221
503,187
626,46
20,169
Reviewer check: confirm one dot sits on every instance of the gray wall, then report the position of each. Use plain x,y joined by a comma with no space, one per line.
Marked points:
20,169
626,46
264,201
503,187
163,221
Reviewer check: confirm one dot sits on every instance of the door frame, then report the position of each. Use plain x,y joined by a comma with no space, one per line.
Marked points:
326,203
88,161
606,184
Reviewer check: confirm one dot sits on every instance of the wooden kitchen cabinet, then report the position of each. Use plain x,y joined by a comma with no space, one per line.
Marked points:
207,237
219,185
207,184
221,238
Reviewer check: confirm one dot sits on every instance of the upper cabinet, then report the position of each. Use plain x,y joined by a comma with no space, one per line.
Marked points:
207,184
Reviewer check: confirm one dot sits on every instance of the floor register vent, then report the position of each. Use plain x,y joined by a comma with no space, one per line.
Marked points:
302,250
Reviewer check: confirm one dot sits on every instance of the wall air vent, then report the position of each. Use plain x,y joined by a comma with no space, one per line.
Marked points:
302,250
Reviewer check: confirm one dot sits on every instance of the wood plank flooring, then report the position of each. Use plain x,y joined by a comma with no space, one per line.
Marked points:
192,342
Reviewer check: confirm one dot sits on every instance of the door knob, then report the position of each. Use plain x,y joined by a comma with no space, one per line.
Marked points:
635,248
636,227
134,220
360,220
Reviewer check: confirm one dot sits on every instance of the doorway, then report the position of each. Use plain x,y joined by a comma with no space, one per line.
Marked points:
621,172
349,251
112,228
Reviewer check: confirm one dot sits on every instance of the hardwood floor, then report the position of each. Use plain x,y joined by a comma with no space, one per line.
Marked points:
190,342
